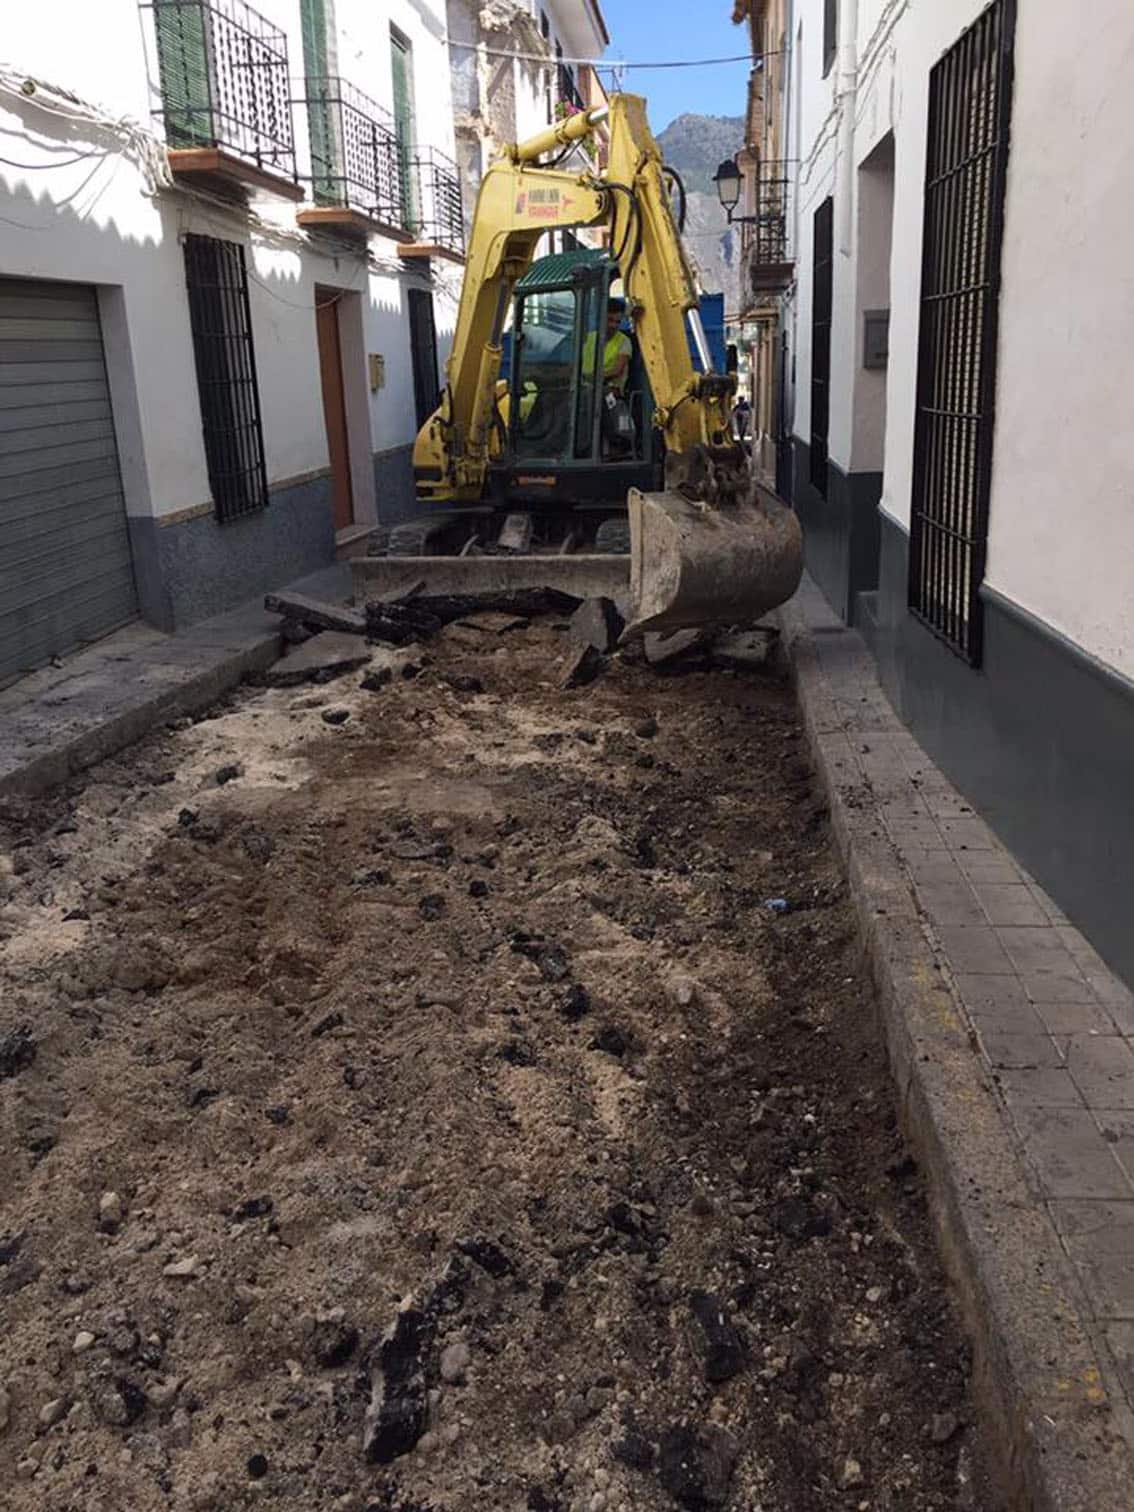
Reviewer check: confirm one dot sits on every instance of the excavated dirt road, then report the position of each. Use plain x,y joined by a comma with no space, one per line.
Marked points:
431,1115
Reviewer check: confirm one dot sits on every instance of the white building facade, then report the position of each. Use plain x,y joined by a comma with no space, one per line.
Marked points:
962,365
516,69
230,247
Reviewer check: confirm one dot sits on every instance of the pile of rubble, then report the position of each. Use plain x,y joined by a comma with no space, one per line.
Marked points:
595,631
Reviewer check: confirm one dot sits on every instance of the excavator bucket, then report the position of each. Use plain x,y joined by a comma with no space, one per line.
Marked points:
692,564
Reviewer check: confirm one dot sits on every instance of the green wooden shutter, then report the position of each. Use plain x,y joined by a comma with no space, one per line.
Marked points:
402,60
320,109
183,68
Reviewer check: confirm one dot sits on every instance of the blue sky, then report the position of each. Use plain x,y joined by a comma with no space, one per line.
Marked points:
656,30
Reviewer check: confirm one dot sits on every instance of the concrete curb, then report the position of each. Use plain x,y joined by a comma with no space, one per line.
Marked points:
1037,1373
103,737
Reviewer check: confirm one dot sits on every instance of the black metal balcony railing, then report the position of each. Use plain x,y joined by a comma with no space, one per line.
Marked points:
356,161
765,243
438,219
224,81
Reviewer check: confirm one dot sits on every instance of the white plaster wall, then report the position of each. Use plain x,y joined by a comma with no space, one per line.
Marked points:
101,221
874,212
1061,532
812,142
1061,517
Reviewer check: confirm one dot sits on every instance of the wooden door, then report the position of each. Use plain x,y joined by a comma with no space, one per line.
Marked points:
334,405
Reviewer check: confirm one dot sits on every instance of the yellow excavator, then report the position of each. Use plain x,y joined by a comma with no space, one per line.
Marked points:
707,544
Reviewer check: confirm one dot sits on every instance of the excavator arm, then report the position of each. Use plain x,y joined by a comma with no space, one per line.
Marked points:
712,547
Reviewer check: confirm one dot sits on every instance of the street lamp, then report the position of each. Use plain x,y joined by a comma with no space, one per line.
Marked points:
727,180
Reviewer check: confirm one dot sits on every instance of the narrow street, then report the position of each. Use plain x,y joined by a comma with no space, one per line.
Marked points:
416,1104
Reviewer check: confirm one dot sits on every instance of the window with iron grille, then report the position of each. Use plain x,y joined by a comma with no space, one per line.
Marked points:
830,34
970,93
822,290
226,375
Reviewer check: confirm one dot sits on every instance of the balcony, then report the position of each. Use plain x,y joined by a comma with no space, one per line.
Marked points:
225,95
765,249
432,204
358,178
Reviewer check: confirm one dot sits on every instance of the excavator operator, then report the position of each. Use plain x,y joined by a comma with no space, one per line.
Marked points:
616,352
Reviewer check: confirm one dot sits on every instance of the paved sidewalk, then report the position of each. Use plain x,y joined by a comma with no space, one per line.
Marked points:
59,720
1029,1142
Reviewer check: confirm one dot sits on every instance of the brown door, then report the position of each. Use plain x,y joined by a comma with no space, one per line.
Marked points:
334,404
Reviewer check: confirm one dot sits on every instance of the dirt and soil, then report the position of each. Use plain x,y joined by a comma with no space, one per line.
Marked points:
426,1111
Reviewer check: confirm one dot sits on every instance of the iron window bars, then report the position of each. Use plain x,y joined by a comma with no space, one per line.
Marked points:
225,82
439,215
355,158
822,289
969,114
221,323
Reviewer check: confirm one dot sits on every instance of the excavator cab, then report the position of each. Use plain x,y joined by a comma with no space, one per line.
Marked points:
564,448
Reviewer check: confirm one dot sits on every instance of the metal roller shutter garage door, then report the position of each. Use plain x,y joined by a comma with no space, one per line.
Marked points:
66,574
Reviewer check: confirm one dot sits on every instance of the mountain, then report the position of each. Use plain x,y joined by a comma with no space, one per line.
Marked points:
695,145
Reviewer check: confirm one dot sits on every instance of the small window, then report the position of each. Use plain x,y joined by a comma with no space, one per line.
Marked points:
830,34
221,323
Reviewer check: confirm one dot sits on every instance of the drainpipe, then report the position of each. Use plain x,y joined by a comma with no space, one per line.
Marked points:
846,94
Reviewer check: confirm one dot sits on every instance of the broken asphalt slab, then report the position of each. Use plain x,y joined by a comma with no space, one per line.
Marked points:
319,659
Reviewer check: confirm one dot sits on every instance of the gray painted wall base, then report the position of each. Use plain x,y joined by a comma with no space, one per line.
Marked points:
200,567
1040,739
840,532
393,484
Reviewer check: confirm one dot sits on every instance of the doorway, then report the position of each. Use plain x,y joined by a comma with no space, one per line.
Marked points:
334,404
423,353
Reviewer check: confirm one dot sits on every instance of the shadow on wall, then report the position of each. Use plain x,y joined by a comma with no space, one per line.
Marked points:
186,563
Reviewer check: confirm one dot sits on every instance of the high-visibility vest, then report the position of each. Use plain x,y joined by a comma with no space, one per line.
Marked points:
617,346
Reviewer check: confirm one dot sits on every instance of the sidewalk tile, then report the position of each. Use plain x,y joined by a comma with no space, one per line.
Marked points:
969,835
974,948
1103,1069
1063,986
1043,1088
1074,1018
1020,1052
935,868
1036,948
1120,1339
1100,1240
989,869
1010,904
946,804
1070,1155
997,1004
911,835
1118,1131
950,902
1110,992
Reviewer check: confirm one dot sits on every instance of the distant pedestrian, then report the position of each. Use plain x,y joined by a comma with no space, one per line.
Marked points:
742,418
